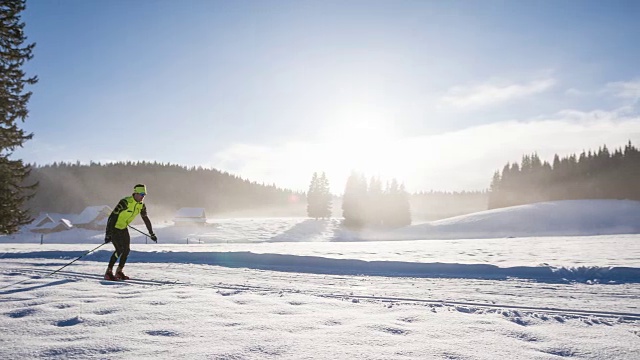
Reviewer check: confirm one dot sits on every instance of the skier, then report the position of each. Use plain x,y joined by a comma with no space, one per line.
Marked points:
121,216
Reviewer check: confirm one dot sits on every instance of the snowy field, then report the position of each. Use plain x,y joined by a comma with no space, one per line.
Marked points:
556,280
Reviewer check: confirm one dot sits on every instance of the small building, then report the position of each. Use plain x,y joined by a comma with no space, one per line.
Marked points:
190,216
93,217
51,227
42,220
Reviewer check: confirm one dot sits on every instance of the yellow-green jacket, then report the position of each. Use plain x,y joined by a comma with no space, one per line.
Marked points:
125,212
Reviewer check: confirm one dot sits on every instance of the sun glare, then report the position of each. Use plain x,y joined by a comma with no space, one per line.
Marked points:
361,138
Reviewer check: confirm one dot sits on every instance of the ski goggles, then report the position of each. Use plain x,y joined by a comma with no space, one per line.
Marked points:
140,189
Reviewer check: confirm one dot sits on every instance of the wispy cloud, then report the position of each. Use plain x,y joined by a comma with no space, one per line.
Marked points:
625,89
575,92
491,93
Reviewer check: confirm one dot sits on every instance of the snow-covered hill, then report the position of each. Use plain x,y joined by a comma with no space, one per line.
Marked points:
558,218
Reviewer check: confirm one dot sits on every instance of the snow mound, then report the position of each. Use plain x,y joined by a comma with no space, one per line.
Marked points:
558,218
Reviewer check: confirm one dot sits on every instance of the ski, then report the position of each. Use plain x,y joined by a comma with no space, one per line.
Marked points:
79,275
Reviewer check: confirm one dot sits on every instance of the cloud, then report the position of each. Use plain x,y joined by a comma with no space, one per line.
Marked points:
575,92
491,94
625,89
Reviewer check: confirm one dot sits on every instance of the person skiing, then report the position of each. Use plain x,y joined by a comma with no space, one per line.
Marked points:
118,234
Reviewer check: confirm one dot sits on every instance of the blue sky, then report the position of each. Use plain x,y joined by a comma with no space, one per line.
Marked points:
438,94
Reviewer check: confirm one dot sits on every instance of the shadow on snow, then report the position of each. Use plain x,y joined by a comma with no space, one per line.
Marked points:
322,265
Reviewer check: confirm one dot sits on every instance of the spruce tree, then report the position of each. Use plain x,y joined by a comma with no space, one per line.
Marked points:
354,199
319,197
396,204
325,204
314,197
13,108
376,206
494,191
403,207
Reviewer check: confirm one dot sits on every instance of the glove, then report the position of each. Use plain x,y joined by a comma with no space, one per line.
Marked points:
107,239
153,237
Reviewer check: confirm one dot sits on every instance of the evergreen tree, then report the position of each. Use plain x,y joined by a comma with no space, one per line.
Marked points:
494,191
364,204
404,207
376,206
314,197
319,197
353,202
13,108
396,204
324,208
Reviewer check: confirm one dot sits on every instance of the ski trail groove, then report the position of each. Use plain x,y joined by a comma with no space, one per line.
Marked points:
548,310
556,311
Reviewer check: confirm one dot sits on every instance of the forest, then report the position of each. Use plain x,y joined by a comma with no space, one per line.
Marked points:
600,174
70,187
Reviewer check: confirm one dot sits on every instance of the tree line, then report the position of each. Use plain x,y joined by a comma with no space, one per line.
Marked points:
591,175
436,205
70,187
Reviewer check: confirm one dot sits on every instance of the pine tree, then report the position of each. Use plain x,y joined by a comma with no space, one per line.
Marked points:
376,204
494,191
313,197
13,107
319,197
353,202
396,204
325,204
404,207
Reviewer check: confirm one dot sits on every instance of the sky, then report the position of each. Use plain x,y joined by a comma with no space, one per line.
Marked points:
438,95
536,297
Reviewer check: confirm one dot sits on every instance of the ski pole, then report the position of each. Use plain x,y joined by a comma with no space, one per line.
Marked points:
76,259
143,233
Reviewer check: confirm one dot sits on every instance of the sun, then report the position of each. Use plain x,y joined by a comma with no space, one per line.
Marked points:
360,138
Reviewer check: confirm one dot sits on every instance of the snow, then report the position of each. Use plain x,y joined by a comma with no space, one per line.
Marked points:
49,222
61,225
570,217
186,216
556,280
190,213
91,213
42,219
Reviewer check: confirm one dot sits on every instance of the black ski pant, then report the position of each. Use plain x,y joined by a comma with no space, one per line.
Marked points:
122,242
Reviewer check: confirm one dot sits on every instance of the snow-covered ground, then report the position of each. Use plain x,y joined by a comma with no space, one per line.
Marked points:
541,281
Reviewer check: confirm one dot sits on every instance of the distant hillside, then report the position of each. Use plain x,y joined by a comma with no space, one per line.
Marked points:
69,188
436,205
